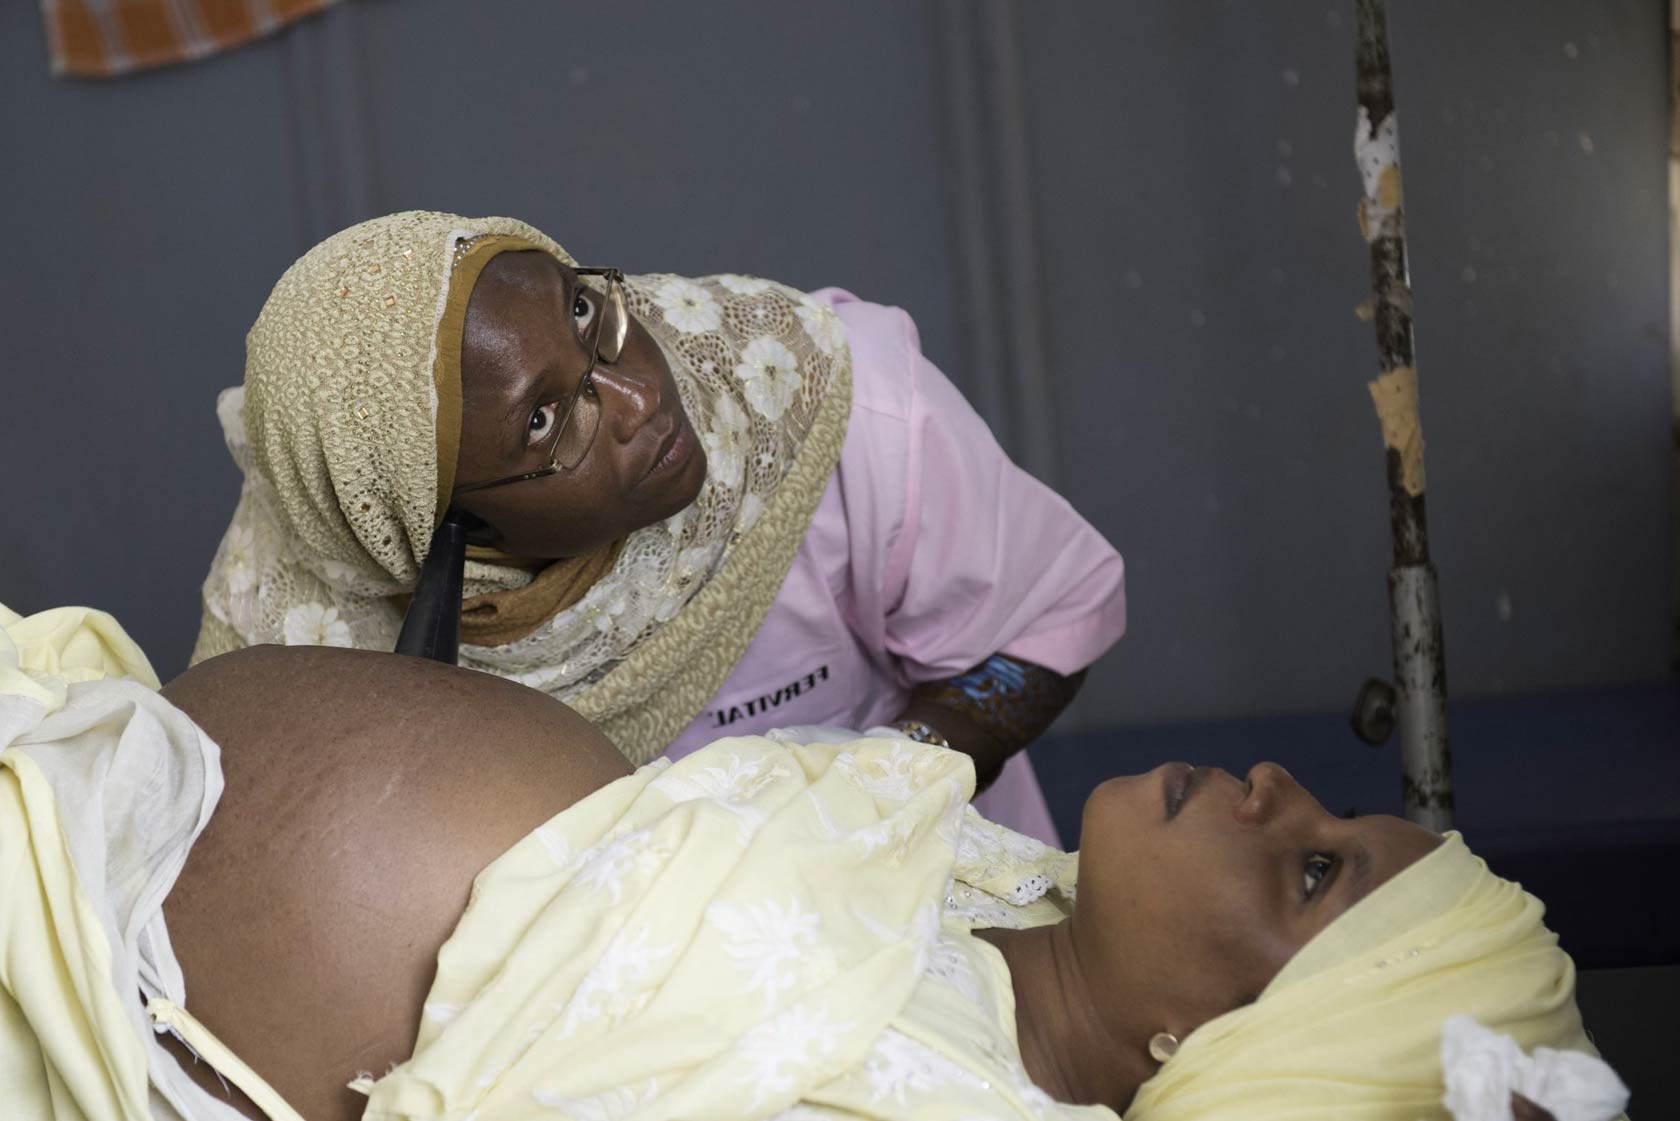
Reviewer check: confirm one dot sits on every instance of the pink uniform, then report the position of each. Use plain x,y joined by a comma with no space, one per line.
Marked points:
929,552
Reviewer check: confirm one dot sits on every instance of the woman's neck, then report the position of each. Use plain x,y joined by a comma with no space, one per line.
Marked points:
1070,1049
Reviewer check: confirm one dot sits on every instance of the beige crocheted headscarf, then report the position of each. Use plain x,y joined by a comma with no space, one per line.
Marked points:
347,429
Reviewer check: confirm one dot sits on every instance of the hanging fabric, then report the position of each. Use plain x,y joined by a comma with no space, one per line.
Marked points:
107,38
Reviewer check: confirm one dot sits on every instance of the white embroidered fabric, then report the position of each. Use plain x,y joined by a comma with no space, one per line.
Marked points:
1006,879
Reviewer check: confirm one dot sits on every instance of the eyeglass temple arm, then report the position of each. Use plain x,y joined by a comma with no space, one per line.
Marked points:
432,627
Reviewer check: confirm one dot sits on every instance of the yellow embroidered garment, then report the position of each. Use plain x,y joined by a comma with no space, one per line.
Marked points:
760,923
42,654
758,927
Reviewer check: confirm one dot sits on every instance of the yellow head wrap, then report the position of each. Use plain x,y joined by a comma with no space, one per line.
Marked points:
1351,1027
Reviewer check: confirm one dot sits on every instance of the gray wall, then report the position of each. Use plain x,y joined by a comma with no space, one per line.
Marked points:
1126,230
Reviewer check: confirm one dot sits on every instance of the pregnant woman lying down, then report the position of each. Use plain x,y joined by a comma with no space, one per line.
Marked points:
428,892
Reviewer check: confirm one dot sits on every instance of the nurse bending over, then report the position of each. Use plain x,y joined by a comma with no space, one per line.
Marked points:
702,507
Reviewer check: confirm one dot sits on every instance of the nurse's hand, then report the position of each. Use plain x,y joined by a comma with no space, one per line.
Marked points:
992,711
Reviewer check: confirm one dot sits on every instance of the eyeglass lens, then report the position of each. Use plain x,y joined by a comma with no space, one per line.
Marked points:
577,429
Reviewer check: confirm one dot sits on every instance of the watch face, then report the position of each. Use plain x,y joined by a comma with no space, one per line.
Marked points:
922,733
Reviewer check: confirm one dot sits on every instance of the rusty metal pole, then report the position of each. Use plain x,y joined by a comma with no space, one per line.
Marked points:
1414,601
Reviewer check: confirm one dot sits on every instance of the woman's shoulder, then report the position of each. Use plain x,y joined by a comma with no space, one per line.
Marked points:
887,364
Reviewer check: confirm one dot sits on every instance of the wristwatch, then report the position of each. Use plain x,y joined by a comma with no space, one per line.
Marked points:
921,733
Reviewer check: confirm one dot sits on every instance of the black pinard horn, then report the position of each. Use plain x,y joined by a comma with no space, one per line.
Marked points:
432,627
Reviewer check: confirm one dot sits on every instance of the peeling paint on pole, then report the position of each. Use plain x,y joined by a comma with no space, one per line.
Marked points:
1420,677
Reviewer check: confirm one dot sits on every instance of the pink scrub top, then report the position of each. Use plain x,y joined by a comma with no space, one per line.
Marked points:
929,552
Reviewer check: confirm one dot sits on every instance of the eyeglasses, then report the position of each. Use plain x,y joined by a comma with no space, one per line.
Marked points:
580,414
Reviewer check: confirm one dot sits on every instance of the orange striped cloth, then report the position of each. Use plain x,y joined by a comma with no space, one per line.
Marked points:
104,38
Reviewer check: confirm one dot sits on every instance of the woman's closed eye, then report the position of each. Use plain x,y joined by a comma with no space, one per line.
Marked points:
1313,873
